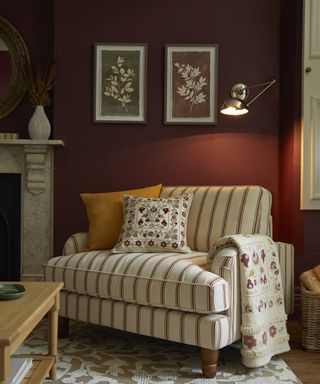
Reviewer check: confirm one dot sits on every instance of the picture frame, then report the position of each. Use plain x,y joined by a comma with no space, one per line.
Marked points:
191,76
120,83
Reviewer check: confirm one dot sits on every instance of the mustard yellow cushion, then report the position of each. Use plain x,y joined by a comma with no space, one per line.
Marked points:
105,215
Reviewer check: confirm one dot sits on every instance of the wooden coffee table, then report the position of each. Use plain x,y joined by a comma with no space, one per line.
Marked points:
19,317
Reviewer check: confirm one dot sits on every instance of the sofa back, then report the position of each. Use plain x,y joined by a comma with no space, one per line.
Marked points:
217,211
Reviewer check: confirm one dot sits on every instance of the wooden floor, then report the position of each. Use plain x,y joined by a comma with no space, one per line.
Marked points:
306,365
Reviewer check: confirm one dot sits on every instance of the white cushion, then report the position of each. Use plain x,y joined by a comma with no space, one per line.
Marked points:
154,225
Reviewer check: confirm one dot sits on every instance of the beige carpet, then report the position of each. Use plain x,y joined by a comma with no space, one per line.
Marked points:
94,354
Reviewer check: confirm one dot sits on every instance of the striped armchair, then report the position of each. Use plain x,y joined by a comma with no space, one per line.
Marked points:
177,297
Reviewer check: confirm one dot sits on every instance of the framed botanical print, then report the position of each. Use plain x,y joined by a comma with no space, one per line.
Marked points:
120,83
191,84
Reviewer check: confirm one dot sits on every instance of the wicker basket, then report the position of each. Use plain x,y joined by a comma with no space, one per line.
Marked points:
310,308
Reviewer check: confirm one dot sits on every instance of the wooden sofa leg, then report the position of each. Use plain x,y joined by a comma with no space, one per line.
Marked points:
209,362
63,327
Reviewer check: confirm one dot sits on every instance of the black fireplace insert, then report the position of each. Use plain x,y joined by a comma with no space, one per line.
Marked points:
10,224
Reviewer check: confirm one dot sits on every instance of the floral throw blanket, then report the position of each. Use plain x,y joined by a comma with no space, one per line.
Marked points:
263,324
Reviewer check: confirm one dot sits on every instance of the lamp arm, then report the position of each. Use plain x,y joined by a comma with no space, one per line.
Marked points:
270,83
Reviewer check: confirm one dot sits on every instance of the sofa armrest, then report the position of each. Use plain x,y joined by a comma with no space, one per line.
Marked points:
286,258
225,264
75,243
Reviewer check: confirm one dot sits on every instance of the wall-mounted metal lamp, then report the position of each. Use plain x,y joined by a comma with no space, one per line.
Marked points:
236,105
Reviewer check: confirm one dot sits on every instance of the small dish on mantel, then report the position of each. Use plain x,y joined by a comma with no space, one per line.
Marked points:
11,291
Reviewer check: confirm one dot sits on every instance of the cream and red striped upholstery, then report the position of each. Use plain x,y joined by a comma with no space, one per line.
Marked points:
75,243
219,211
225,265
207,331
215,212
78,241
286,258
169,303
170,280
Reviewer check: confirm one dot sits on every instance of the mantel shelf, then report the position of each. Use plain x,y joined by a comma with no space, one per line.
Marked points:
36,153
27,142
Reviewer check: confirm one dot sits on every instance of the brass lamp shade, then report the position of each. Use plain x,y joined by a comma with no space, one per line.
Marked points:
234,107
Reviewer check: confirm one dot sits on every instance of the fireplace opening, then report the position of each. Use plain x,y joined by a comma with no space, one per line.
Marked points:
10,223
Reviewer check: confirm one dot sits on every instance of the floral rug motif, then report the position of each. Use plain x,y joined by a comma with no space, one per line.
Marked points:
94,354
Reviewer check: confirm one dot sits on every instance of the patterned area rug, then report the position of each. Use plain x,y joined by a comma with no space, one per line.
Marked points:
94,354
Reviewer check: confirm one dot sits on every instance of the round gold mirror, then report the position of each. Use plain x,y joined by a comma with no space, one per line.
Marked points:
13,55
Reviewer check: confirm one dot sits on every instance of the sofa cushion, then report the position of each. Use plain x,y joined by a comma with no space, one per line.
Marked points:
168,280
154,225
105,215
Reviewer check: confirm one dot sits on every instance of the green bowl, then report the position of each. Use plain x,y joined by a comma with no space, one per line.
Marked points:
11,291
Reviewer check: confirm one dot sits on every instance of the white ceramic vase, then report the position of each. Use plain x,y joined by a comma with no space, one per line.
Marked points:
39,127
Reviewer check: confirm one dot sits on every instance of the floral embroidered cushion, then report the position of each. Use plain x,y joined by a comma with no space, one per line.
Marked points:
154,224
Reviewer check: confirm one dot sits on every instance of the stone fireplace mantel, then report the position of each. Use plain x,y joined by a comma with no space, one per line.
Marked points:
33,159
36,151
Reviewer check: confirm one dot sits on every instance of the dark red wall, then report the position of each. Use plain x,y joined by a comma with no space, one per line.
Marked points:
105,157
33,19
247,150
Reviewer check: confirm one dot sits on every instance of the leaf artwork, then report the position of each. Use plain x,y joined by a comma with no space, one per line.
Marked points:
191,90
119,84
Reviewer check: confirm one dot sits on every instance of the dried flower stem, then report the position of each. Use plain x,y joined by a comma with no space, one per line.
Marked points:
39,81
